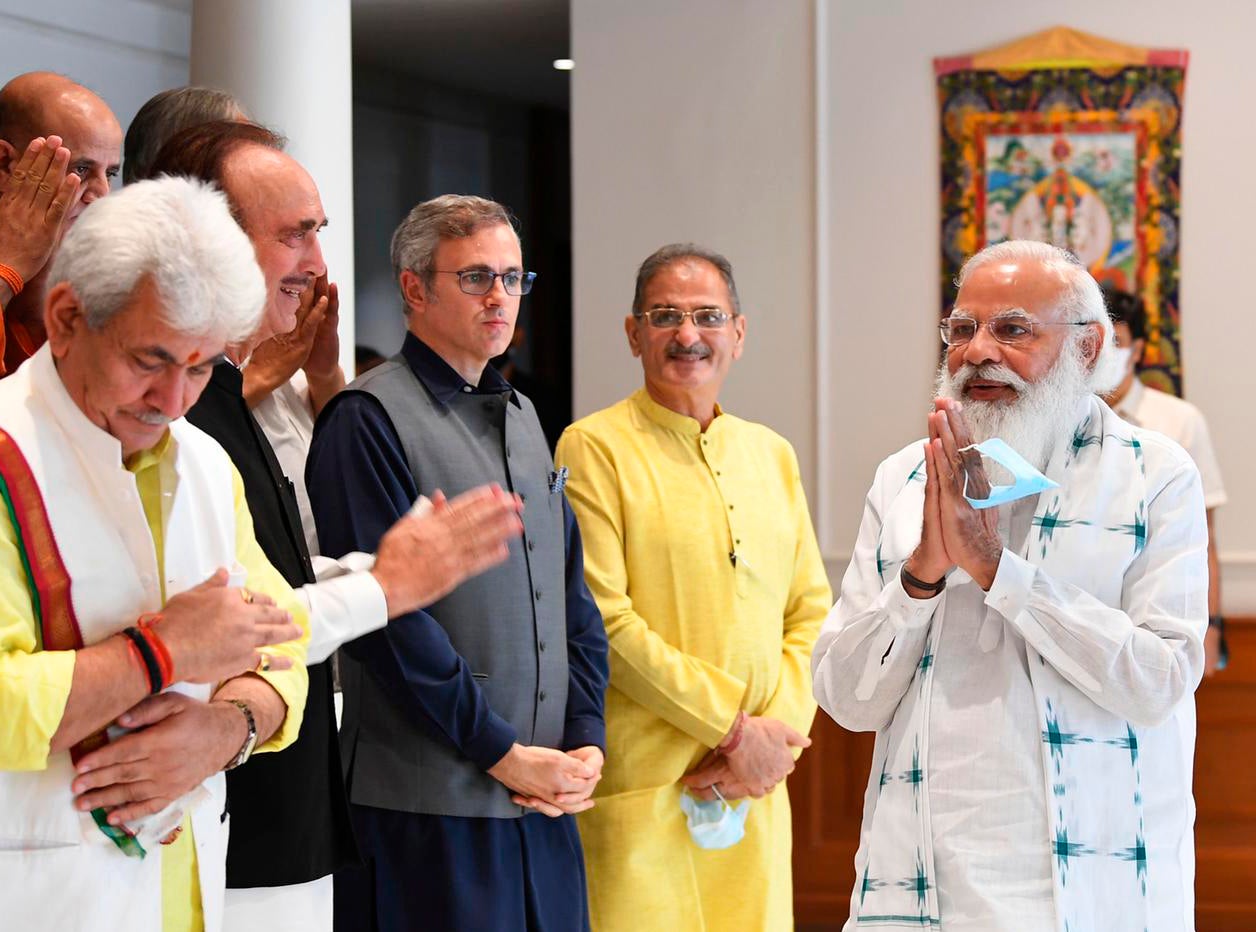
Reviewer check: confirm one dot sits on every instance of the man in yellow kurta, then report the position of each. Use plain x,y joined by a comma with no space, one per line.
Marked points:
700,552
120,525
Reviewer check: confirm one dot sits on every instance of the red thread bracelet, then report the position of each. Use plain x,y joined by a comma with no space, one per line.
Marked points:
146,624
12,278
739,729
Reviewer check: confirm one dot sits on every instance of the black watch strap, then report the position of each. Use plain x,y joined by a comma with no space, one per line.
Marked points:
934,587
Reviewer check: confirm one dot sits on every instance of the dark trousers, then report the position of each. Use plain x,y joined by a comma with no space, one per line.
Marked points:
448,874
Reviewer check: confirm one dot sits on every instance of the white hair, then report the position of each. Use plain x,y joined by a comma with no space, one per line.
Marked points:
1080,300
179,233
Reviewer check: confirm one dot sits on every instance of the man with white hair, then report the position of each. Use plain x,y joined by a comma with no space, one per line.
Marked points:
100,473
1028,668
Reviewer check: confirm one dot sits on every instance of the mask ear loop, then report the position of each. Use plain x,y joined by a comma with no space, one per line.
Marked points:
716,790
971,446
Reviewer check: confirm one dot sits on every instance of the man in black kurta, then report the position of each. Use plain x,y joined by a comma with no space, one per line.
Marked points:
475,731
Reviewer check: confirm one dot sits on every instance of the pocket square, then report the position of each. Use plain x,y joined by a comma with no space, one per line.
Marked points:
558,480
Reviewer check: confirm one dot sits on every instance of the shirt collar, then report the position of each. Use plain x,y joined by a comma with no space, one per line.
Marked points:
443,381
1133,398
153,456
669,419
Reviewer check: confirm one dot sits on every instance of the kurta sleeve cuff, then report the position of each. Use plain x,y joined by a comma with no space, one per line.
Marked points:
905,612
293,685
34,689
341,609
491,744
1013,583
584,730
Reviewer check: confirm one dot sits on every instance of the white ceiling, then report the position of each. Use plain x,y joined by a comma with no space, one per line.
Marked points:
500,47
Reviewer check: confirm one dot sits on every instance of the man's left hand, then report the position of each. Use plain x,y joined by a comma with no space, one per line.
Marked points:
971,535
177,744
322,365
713,770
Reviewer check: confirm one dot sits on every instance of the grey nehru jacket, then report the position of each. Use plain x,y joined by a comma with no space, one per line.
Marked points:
508,624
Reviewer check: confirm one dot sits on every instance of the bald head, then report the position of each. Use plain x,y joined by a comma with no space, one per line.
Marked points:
41,103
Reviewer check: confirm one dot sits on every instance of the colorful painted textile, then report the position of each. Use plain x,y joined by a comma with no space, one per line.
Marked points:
1073,140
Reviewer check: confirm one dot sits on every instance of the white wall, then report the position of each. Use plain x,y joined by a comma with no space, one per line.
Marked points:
693,121
883,254
124,50
696,121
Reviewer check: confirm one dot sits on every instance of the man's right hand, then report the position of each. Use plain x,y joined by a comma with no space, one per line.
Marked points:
277,360
34,203
423,557
214,632
765,756
929,562
539,773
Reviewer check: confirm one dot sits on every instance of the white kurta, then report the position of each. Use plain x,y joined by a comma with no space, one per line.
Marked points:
1033,756
286,416
1181,422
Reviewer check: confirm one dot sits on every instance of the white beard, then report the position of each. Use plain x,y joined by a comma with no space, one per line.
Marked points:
1040,416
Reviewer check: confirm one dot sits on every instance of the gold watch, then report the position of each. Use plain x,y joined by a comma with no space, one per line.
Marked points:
250,740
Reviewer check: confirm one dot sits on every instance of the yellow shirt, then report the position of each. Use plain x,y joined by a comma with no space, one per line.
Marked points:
699,550
34,686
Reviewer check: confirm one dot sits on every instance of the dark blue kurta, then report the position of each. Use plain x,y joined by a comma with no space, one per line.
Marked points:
431,871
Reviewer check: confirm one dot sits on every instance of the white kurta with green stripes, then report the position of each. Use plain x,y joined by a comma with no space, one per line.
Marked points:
1034,743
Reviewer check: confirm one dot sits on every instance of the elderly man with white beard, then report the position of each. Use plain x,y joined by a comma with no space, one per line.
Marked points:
1028,668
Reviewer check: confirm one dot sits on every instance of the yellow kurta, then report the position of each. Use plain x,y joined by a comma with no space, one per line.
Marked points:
694,638
38,684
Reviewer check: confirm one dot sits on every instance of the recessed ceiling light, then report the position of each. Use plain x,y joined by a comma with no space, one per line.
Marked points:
564,64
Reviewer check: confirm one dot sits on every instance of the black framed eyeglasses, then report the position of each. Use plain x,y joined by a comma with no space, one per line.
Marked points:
480,281
1011,328
670,318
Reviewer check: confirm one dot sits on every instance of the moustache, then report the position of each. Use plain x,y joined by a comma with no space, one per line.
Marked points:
698,351
992,372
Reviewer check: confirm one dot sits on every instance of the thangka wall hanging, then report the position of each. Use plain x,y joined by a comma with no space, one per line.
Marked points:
1074,140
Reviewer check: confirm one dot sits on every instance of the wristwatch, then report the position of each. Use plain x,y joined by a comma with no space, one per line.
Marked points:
250,740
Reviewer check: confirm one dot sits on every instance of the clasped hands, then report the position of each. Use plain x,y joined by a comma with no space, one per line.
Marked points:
761,759
953,532
36,198
552,782
176,742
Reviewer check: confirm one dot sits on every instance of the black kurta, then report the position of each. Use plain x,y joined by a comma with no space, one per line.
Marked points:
289,815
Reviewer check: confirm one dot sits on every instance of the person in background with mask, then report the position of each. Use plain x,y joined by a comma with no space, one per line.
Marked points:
700,552
1180,420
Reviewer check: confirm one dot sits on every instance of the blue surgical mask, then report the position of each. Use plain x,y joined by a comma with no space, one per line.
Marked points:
1026,480
714,825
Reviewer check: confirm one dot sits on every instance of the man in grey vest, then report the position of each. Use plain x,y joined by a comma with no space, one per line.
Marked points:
473,733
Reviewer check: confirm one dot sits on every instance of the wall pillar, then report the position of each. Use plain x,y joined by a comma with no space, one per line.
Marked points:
290,63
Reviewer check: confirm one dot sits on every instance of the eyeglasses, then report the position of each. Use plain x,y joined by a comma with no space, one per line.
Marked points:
670,318
1006,328
480,281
